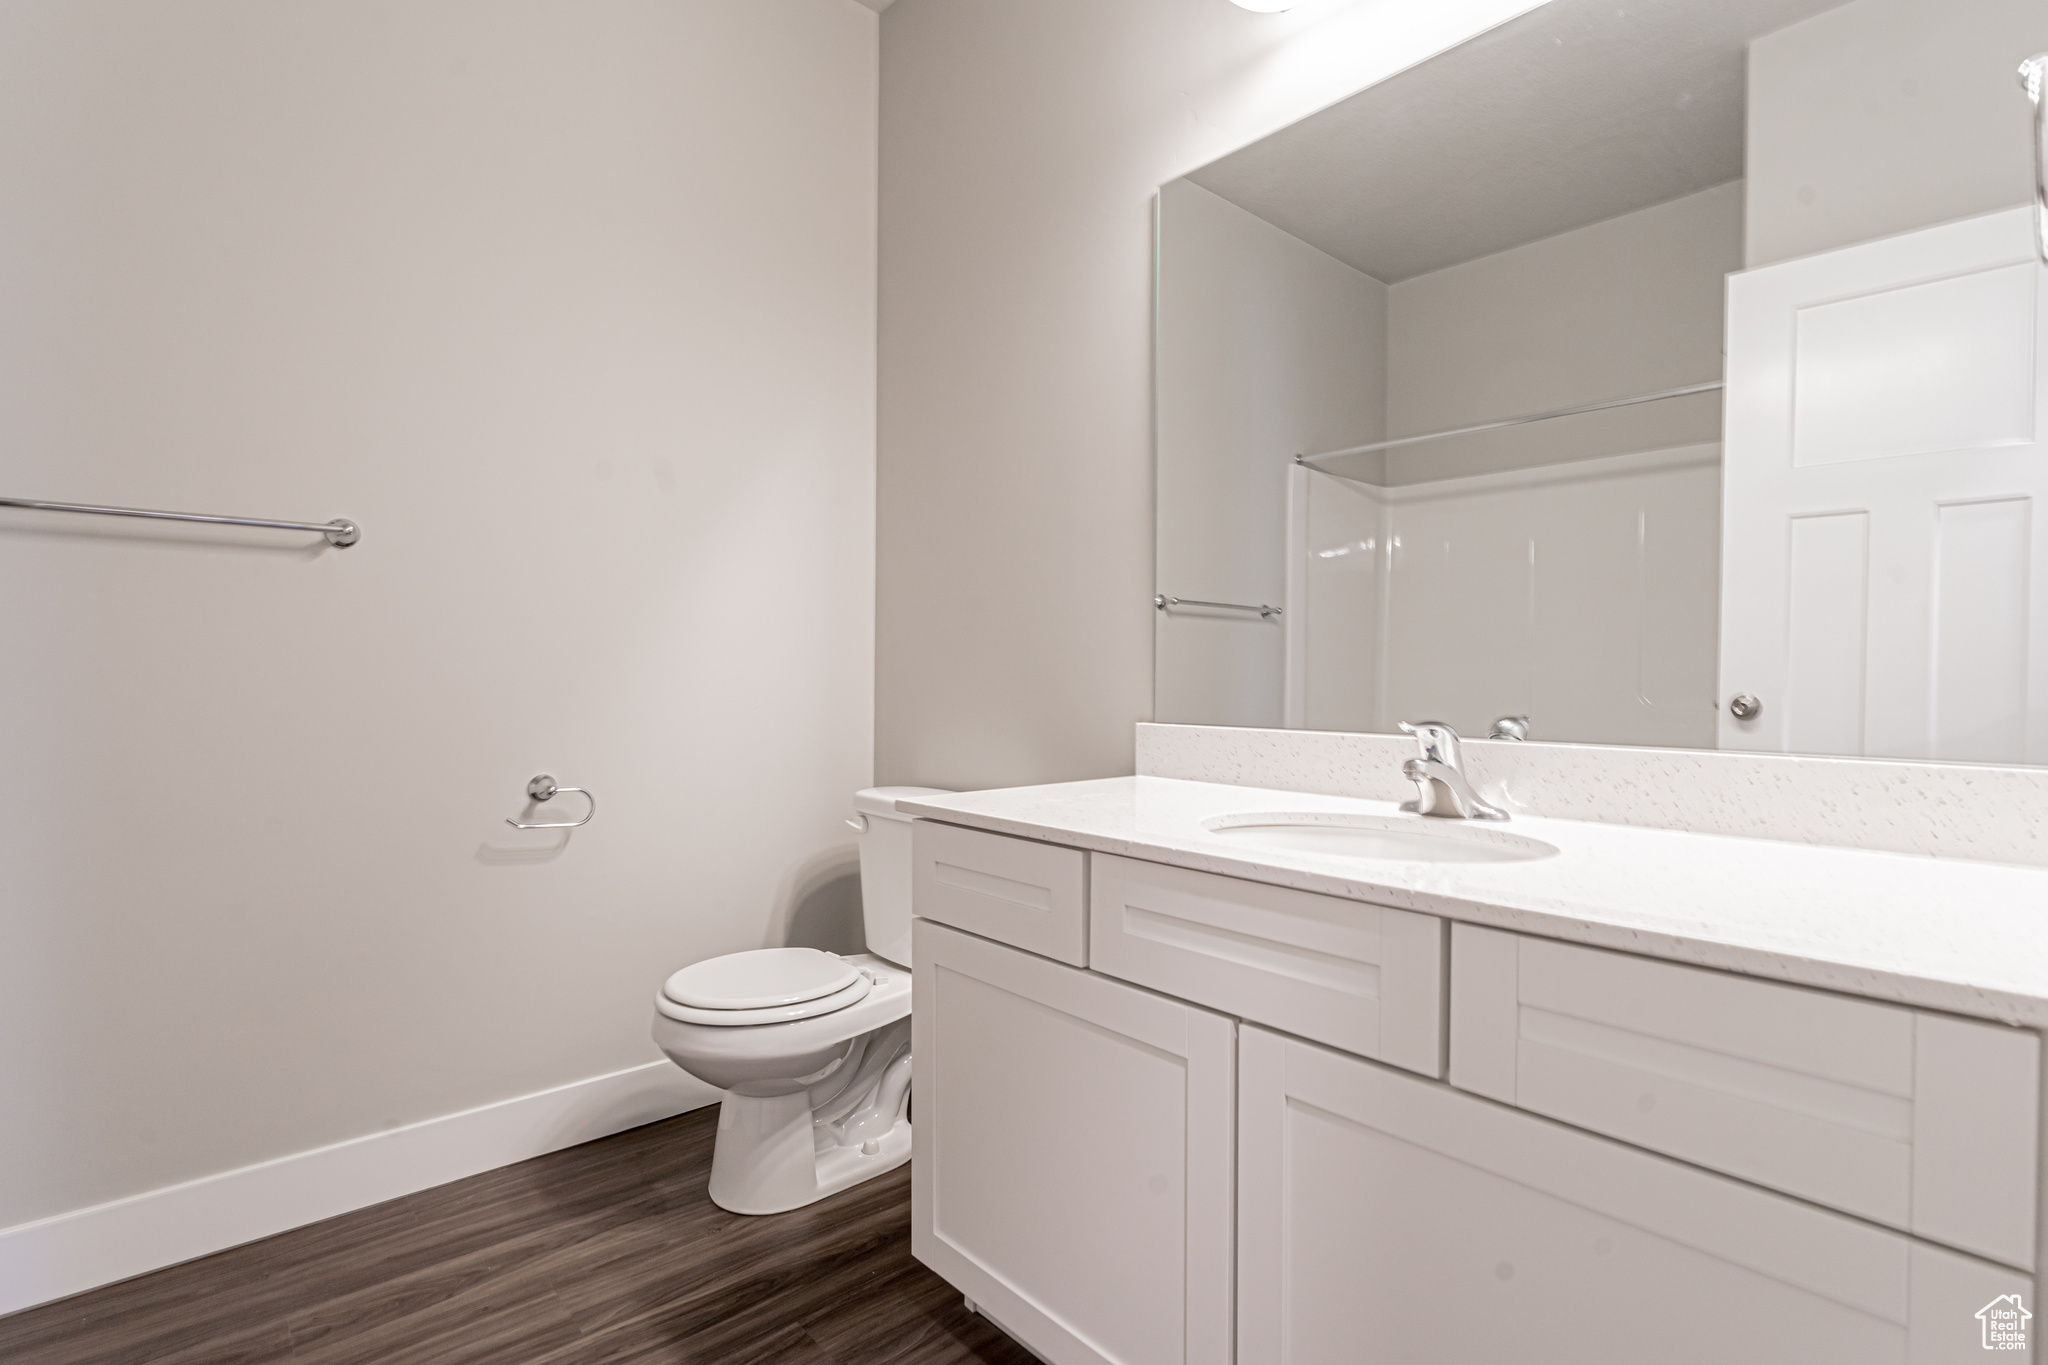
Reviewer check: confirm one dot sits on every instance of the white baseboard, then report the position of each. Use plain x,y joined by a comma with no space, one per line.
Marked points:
71,1252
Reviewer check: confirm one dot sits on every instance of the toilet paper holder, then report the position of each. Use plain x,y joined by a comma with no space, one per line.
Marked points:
543,788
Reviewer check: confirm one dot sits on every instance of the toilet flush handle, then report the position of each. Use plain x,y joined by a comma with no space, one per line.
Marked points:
543,788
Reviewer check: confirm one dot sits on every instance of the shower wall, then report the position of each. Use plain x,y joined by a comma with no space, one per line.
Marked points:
1582,595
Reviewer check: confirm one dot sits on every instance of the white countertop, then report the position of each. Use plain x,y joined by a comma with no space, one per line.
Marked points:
1941,933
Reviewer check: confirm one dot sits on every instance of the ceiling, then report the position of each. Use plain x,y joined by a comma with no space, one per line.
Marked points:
1571,114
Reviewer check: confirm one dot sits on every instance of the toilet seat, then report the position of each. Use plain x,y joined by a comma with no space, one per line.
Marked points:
760,979
764,986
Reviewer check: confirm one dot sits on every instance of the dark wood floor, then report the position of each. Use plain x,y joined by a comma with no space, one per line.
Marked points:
605,1252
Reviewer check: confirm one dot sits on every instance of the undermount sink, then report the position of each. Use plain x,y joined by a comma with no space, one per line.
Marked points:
1413,839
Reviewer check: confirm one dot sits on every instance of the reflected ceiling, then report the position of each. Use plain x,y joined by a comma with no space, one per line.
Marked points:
1572,114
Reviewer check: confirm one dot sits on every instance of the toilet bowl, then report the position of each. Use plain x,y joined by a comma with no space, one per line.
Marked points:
814,1101
812,1049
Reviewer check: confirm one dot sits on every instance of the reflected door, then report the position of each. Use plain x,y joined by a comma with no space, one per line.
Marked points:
1884,580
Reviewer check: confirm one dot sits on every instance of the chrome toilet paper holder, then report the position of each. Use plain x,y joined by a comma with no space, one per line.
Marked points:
543,788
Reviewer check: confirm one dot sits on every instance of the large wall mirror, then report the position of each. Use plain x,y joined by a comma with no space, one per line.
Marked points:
1668,373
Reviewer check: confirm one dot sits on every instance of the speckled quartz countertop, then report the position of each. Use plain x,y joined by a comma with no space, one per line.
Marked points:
1941,933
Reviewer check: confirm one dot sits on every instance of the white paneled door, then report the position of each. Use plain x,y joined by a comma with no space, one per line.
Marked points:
1884,574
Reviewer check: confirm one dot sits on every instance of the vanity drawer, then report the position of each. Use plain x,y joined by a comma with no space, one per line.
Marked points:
1917,1121
1359,977
1021,892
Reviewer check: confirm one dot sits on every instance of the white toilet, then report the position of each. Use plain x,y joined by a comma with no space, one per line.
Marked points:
812,1049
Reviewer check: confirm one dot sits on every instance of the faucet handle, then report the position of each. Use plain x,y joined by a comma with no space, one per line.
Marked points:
1439,741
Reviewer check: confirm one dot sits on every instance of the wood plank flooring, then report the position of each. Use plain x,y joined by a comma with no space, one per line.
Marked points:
609,1252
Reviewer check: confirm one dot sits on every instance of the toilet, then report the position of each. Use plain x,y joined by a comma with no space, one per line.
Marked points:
811,1048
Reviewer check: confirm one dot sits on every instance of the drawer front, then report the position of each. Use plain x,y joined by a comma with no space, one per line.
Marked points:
1359,977
1031,895
1917,1121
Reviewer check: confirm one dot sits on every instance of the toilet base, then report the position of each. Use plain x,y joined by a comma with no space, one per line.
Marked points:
773,1156
782,1151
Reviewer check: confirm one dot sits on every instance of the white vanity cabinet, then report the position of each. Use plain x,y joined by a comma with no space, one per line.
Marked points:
1237,1122
1072,1167
1385,1218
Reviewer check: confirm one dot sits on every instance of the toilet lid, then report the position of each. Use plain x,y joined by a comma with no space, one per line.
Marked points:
773,1014
764,979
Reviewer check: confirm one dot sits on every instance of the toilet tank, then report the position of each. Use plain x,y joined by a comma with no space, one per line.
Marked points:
885,868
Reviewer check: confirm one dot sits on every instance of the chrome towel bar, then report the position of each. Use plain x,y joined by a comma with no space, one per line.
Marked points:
1162,601
339,533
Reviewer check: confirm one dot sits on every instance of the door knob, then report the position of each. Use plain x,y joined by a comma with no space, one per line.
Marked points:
1742,706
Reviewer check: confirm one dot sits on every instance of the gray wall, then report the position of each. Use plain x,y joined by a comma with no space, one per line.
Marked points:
1021,148
1887,115
1268,348
1627,306
572,307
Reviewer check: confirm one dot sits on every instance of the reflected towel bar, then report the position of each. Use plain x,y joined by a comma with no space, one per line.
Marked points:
1516,421
1162,601
339,532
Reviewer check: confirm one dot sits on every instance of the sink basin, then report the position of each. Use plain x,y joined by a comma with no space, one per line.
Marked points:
1410,839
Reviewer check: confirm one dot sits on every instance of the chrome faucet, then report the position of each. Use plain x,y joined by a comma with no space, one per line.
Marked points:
1439,776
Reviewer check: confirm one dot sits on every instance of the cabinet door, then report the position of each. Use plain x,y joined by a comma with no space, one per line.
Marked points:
1072,1168
1386,1218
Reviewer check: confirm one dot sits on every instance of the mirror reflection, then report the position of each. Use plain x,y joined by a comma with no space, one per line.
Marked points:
1661,374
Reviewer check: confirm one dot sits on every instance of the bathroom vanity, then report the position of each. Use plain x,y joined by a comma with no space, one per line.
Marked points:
1204,1075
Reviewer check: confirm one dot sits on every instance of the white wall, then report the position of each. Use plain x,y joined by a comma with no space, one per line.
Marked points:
1887,115
1626,306
571,306
1268,348
1022,144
